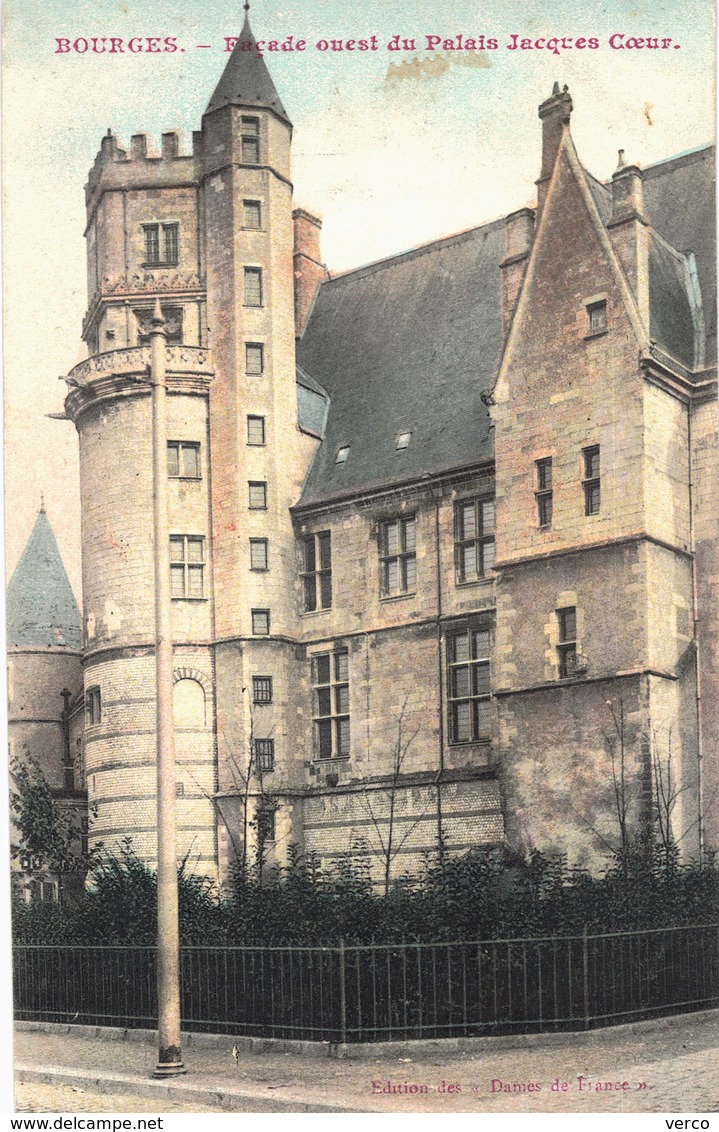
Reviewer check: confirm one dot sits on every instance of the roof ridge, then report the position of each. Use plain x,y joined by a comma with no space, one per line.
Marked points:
411,253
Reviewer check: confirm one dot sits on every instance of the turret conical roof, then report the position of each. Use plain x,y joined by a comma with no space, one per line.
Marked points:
245,80
41,607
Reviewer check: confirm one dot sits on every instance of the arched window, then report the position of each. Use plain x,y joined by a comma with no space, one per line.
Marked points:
189,703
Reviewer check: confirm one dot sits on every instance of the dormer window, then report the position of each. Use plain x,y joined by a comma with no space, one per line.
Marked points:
342,454
403,440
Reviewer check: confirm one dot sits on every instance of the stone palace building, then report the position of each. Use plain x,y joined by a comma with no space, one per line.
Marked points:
443,529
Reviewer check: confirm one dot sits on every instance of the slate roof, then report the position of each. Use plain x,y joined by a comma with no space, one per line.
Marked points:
406,345
41,607
245,80
411,342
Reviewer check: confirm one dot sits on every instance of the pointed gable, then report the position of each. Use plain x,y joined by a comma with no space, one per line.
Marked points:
41,607
246,80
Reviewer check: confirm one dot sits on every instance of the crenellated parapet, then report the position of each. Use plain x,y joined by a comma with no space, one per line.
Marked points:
114,168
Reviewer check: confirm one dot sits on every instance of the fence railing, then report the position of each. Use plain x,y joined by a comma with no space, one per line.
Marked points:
383,992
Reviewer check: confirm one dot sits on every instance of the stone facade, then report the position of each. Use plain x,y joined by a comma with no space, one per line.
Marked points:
373,667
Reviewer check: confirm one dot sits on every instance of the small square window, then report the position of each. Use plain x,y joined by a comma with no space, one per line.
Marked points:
258,554
253,286
403,441
251,214
262,689
257,495
256,431
260,622
597,315
254,358
342,454
265,758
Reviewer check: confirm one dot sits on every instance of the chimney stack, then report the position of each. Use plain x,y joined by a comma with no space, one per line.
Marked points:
628,230
555,113
309,270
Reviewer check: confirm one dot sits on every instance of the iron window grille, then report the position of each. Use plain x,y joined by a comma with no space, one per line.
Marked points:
183,460
265,756
544,492
187,566
331,704
316,572
262,689
162,244
398,556
591,480
468,684
567,647
474,538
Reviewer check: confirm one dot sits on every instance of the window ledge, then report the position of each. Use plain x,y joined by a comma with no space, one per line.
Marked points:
259,569
486,579
464,743
162,263
186,479
398,597
189,599
596,333
317,761
315,612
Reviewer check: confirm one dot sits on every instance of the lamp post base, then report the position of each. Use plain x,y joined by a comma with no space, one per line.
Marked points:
169,1069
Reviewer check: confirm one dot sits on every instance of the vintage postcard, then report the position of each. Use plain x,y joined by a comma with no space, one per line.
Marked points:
362,557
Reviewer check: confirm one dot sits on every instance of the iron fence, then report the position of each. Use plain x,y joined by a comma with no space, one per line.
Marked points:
381,992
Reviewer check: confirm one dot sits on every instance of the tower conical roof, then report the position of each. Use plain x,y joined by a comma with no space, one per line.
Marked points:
41,607
245,80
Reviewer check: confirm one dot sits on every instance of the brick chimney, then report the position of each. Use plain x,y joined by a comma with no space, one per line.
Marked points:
518,238
555,113
628,230
309,270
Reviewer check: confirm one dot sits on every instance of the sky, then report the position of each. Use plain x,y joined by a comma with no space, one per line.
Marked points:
391,148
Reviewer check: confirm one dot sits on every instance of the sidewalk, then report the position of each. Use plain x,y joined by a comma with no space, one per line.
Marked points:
668,1065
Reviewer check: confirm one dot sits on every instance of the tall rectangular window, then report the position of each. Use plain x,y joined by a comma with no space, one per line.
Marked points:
474,538
183,460
250,141
567,647
266,824
251,214
93,707
265,755
256,431
257,495
171,235
544,491
253,286
152,242
316,572
262,689
254,358
187,566
468,684
591,480
398,556
258,554
261,622
331,704
597,314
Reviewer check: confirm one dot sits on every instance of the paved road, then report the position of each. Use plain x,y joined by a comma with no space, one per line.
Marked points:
673,1069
